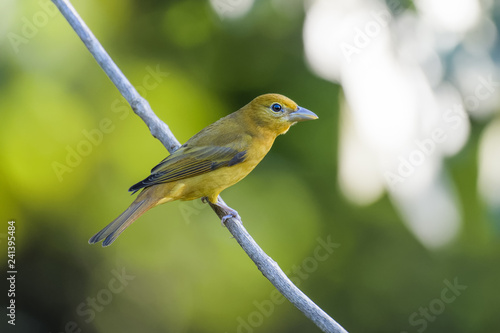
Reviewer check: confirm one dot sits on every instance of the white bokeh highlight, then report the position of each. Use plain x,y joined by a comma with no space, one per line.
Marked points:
403,116
489,165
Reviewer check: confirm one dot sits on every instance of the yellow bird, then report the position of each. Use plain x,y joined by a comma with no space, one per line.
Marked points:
218,156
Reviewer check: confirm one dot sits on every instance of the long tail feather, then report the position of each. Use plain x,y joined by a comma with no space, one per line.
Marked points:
122,222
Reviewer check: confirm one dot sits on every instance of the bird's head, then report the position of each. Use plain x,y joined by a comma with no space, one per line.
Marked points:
276,112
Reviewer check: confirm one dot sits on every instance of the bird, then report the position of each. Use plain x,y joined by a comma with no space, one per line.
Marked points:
218,156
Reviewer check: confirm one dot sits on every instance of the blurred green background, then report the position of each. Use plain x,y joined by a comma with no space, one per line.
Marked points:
70,147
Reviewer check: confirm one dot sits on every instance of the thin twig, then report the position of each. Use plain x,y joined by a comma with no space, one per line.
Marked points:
161,131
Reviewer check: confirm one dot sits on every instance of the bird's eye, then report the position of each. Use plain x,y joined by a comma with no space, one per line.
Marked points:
276,107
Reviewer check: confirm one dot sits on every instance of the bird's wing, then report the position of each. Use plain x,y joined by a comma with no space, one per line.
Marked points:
191,161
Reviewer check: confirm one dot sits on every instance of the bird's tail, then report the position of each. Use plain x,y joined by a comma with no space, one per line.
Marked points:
111,232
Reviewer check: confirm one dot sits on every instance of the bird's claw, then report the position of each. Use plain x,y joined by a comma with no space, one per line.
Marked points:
233,214
204,200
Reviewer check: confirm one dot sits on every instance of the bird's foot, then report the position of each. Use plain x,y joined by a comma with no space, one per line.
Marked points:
232,214
204,200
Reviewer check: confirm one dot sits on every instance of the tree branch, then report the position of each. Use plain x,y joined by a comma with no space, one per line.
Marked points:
161,131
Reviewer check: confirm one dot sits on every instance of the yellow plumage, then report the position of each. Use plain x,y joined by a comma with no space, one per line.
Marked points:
217,157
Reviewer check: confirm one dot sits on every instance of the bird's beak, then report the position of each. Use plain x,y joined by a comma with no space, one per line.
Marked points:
301,114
